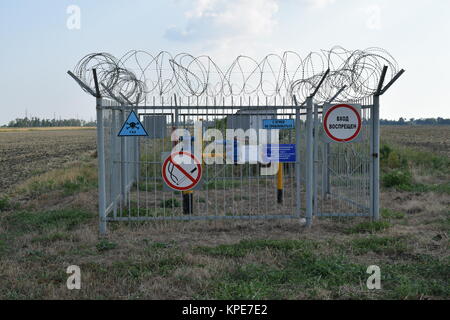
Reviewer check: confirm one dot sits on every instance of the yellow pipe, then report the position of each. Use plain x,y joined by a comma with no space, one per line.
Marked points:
280,177
280,183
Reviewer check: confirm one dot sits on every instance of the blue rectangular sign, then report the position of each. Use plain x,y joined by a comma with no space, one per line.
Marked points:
278,123
286,152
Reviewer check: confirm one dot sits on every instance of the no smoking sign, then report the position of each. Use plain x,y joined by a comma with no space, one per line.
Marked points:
342,122
181,171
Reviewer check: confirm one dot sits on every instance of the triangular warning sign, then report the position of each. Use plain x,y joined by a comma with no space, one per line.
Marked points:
132,127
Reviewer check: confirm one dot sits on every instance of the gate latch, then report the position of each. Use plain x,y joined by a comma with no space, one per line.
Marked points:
375,155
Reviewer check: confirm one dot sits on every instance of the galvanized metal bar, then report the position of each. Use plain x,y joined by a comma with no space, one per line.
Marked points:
375,192
81,83
214,217
112,95
381,81
298,138
101,169
309,162
113,175
97,88
392,81
123,162
326,169
337,94
320,83
342,214
316,158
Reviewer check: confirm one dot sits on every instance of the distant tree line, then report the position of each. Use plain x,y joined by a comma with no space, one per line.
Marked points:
37,122
412,121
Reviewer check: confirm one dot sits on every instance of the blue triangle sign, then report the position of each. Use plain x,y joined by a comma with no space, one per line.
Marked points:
132,127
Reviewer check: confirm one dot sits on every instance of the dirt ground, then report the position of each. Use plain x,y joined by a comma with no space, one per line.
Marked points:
44,234
28,153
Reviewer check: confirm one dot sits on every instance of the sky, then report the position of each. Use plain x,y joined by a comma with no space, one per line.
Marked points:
40,41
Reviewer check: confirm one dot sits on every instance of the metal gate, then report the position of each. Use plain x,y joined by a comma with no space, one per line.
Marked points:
323,179
130,182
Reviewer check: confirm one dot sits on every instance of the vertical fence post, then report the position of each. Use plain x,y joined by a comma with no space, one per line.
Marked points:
123,173
316,158
326,168
375,154
309,160
112,161
298,138
101,168
136,155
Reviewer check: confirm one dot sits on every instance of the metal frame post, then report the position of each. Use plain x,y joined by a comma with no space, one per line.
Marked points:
113,183
309,161
316,157
298,138
123,173
101,168
136,156
326,169
375,152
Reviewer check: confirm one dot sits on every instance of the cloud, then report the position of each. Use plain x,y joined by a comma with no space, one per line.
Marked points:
232,27
320,3
223,19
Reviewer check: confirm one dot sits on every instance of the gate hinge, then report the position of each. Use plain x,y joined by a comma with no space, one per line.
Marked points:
375,155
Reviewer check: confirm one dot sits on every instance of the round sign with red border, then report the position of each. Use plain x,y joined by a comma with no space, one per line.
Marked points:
181,171
342,122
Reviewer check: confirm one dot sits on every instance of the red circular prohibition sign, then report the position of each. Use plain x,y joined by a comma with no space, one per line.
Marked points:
325,121
194,181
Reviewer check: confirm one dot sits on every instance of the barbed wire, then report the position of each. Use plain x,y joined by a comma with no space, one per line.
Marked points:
139,75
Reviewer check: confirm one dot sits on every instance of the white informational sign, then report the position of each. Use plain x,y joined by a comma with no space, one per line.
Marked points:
181,171
342,122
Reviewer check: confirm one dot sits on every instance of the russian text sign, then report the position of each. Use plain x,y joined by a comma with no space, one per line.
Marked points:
342,122
278,123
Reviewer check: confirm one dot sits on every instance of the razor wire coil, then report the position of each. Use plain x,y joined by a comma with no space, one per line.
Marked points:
138,75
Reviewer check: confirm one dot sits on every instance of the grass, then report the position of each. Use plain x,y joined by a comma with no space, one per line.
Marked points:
4,204
67,219
246,246
68,181
170,203
309,273
380,245
48,239
140,269
368,227
427,276
225,259
298,270
3,247
387,213
397,164
105,245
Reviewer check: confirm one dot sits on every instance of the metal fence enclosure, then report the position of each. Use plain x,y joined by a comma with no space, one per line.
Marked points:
327,179
190,103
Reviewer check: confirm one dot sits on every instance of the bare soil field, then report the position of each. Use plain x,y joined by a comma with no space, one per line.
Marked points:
25,152
50,222
428,138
